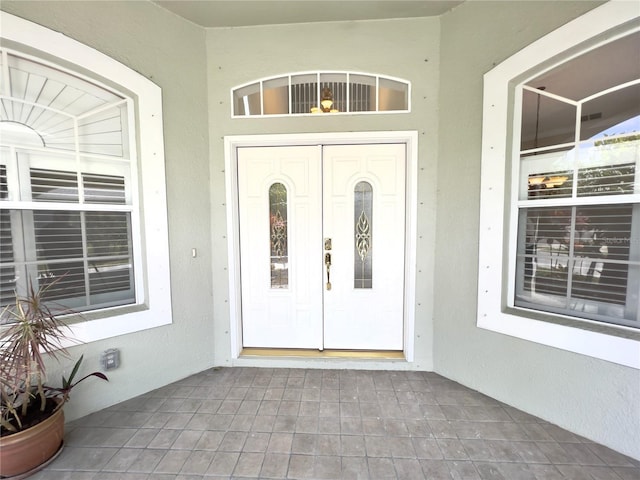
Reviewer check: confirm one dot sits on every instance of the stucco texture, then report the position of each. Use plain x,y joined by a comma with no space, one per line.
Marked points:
170,52
594,398
408,49
445,59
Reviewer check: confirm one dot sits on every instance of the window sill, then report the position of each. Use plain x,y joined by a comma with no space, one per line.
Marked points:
605,342
108,323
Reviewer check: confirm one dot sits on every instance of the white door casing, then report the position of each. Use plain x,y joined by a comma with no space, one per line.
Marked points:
232,145
320,185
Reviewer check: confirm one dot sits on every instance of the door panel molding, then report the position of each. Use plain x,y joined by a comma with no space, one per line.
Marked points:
232,143
288,317
371,318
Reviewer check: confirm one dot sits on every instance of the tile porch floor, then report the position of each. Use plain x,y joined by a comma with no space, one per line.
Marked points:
250,423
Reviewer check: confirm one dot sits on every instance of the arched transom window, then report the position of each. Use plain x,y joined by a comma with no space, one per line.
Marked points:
321,92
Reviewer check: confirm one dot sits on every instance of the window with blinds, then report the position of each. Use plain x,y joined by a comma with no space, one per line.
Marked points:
578,203
66,194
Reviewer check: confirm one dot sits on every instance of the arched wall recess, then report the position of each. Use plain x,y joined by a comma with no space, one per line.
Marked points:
310,93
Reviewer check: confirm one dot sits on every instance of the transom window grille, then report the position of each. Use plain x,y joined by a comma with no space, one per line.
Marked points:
320,92
578,203
66,186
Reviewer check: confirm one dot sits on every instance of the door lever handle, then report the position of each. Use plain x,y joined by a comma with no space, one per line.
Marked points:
327,263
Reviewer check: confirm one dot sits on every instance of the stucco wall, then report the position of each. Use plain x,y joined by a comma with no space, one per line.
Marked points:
408,49
445,59
596,399
171,52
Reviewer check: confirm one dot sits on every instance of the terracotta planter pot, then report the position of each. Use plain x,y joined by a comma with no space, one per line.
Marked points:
30,449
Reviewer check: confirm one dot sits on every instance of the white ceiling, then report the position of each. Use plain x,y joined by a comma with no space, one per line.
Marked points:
237,13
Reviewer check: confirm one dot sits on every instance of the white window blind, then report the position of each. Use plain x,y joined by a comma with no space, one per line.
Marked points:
66,192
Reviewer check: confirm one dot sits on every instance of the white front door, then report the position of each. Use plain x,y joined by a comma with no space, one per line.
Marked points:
303,207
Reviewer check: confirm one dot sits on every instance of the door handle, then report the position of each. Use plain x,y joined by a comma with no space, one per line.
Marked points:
327,264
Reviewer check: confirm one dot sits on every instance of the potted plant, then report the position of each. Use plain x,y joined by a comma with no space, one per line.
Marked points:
31,414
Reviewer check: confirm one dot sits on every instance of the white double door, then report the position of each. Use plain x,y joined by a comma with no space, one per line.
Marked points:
322,246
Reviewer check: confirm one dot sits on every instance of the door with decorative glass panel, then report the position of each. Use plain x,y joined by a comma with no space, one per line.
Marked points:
322,238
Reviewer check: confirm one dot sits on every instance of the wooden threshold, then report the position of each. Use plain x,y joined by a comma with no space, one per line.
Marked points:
310,353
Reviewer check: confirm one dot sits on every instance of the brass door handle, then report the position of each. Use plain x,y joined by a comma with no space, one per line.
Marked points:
327,263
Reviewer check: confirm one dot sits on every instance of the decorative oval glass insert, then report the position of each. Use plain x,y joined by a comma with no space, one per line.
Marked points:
278,236
363,214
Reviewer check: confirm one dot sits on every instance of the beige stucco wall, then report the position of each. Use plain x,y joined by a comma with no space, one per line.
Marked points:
445,59
171,52
597,399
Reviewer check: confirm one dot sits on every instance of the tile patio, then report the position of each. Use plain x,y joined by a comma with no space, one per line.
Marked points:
252,423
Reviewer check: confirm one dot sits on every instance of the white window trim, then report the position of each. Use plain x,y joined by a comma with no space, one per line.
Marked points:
153,291
605,22
232,143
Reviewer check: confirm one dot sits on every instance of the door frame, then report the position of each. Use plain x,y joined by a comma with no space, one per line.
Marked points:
233,142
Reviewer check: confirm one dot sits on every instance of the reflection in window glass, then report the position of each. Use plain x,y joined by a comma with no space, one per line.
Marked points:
578,237
278,236
550,184
546,121
247,101
363,214
608,180
59,250
392,95
110,263
576,258
611,115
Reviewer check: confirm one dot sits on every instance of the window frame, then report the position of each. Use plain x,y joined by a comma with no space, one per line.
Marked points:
496,275
540,161
25,209
151,260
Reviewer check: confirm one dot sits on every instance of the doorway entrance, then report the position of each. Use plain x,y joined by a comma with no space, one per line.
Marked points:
322,246
323,256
